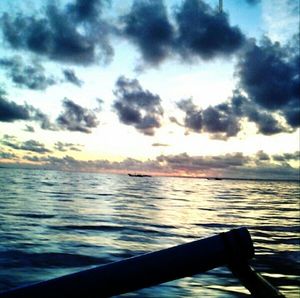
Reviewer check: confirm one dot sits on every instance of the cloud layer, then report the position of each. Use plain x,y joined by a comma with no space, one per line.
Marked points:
30,145
233,165
78,33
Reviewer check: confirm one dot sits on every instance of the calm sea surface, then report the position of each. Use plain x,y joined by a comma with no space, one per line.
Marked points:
54,223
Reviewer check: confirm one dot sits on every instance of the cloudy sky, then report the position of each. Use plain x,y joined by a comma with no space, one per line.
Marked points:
168,87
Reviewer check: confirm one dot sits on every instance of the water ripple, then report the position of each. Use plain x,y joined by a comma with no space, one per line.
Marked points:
61,220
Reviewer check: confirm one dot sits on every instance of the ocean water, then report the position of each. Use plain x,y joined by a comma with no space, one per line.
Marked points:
53,223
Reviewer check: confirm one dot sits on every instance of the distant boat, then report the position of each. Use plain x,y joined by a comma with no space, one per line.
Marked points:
139,175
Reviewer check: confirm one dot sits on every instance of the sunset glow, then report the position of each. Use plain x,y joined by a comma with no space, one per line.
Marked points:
161,87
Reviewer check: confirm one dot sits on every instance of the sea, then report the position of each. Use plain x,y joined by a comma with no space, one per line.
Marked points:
53,223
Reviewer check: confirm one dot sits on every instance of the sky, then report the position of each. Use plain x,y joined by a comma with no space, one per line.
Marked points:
161,87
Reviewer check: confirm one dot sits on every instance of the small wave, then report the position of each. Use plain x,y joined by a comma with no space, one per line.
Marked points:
47,183
276,228
89,198
150,231
278,241
140,239
103,228
162,226
267,192
216,225
132,195
33,215
136,216
104,194
188,191
112,228
55,193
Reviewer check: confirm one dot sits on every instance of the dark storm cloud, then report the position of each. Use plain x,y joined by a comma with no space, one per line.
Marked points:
76,118
147,25
193,115
197,31
73,118
71,77
218,120
78,33
224,120
291,113
31,75
74,34
269,74
60,42
63,147
205,32
266,123
30,145
137,107
10,111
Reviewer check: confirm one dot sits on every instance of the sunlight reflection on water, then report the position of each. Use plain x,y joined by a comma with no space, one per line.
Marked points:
54,223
